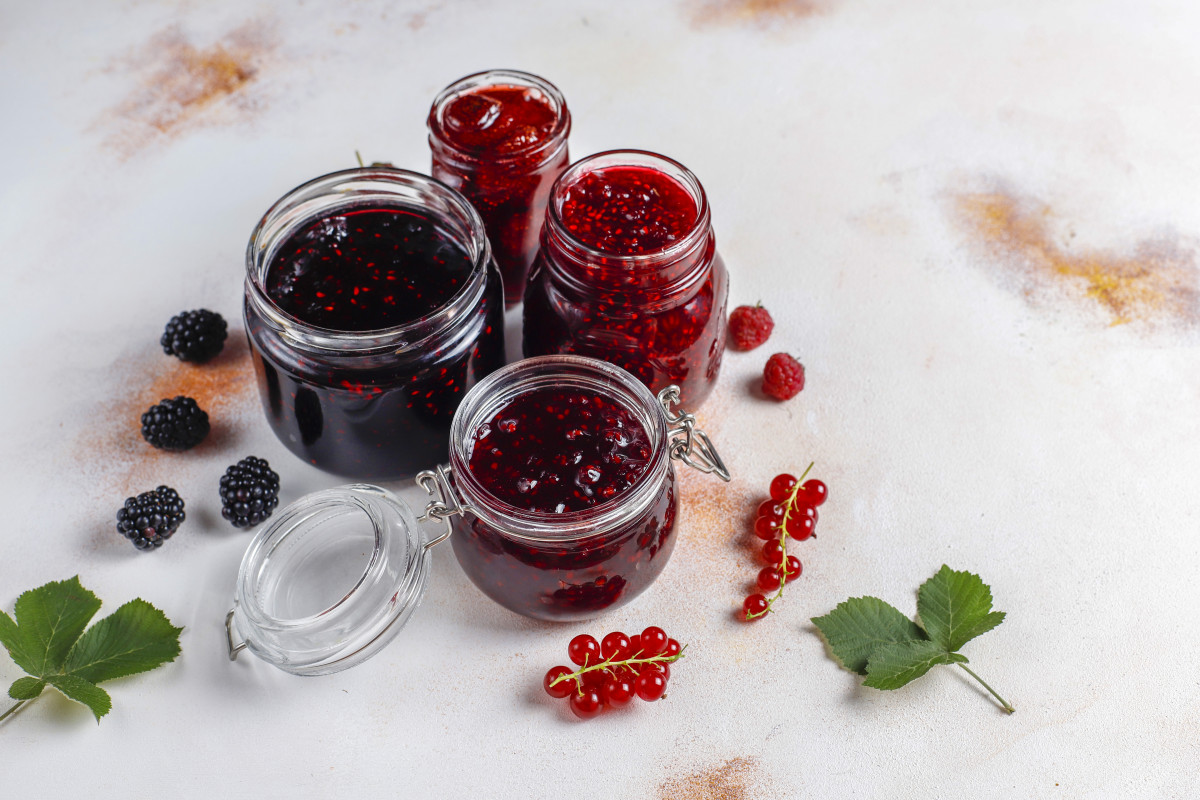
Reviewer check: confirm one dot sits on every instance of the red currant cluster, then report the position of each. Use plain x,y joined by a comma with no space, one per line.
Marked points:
791,513
614,670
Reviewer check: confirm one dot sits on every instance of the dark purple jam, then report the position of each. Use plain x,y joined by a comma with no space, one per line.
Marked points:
559,450
367,269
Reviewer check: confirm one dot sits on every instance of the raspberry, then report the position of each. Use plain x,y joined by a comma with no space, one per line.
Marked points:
177,424
150,518
195,336
749,326
783,377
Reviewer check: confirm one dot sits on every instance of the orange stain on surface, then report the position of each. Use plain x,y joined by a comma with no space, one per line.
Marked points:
1153,282
755,11
730,780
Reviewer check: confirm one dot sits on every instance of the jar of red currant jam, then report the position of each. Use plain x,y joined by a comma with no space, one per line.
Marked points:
560,502
372,306
500,138
628,272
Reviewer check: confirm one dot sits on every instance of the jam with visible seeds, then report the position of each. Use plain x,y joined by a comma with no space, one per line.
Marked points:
571,491
500,138
628,272
370,319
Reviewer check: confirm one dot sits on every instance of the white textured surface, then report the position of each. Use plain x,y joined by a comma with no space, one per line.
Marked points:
955,418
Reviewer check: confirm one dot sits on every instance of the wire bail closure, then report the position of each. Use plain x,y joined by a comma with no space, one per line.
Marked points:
443,503
688,443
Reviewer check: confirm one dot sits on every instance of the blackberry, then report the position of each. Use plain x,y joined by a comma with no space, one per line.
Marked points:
249,492
177,424
194,335
149,519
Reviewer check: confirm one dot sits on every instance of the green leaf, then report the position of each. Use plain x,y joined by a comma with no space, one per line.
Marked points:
49,620
134,638
860,625
954,608
26,688
894,665
82,691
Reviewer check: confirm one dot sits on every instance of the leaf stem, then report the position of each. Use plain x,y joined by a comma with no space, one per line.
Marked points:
12,710
1003,702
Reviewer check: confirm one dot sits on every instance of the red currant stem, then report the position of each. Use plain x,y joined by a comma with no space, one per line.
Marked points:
787,513
607,664
1003,703
12,710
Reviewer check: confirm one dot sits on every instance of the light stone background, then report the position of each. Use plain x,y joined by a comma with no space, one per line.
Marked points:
976,224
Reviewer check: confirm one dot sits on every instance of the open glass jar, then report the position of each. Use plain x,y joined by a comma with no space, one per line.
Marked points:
313,593
372,306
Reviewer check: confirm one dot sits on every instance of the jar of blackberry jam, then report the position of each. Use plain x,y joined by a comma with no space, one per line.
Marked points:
628,272
500,138
372,306
560,502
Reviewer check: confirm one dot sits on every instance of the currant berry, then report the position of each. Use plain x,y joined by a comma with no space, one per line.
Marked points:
651,685
614,647
768,579
781,487
771,509
584,650
773,552
562,688
754,605
594,679
766,528
635,646
793,568
801,510
673,648
617,691
586,704
654,640
658,666
814,492
799,528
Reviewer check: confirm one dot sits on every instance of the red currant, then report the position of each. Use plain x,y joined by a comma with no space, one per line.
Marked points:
654,640
615,647
801,510
754,605
766,528
773,552
673,648
584,650
814,492
771,510
793,568
781,487
650,685
560,689
586,704
635,646
617,691
768,579
594,679
799,528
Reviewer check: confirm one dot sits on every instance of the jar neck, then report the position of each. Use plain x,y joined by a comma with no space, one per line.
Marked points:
570,372
376,187
449,153
669,271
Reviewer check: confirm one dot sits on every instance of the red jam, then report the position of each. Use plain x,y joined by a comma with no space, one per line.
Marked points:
500,139
367,269
627,211
629,273
559,450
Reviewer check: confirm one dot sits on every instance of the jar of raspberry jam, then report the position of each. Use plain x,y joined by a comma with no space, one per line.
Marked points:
372,306
560,501
628,272
500,138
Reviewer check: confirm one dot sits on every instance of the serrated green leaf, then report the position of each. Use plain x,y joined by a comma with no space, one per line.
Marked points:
893,665
82,691
26,688
49,620
954,608
860,625
134,638
21,649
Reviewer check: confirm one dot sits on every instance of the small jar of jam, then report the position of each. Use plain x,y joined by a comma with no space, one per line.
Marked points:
500,138
560,501
372,306
628,272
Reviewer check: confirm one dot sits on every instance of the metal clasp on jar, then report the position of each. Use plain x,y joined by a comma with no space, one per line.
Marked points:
688,443
443,503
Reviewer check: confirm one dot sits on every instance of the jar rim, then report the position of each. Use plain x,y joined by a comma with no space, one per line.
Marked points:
697,236
505,384
385,187
542,150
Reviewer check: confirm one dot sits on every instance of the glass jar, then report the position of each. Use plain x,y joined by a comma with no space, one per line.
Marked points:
335,575
500,138
374,403
649,297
